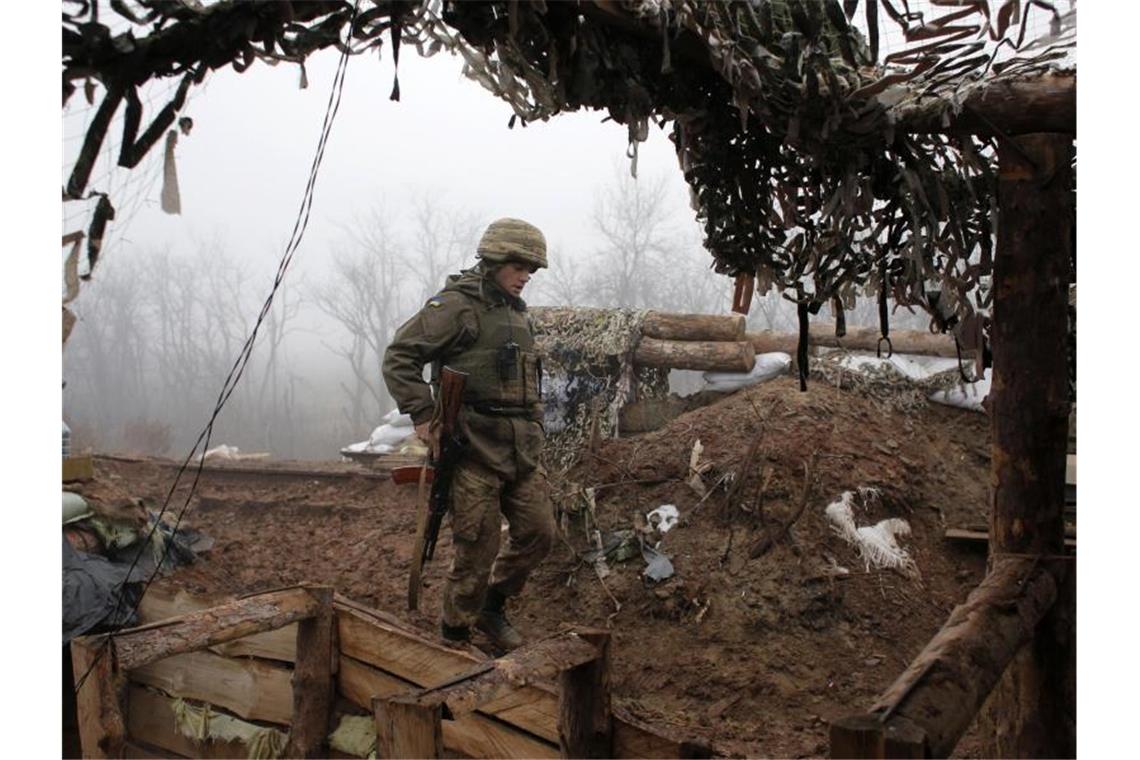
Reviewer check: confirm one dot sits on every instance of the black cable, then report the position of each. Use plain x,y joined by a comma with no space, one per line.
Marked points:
230,383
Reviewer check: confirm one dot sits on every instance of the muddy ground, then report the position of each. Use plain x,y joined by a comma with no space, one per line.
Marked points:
763,635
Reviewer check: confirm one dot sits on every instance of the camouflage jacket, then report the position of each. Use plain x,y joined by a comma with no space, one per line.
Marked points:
456,326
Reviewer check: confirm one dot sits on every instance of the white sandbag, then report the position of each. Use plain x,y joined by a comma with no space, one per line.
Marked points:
910,366
766,367
397,420
965,395
387,435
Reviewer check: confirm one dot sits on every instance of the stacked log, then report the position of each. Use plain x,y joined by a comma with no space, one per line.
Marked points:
704,342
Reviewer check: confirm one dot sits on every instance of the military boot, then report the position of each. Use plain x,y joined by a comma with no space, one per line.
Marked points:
493,622
455,635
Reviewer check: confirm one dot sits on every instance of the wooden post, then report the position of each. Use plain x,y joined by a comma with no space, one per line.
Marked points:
99,701
407,728
1029,412
312,679
585,723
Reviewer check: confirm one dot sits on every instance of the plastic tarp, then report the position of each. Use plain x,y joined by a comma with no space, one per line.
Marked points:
90,593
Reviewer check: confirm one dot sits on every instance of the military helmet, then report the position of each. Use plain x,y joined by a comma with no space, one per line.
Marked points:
509,239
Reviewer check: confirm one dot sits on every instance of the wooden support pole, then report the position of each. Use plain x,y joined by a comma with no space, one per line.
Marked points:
1035,707
708,356
100,698
705,327
313,679
407,728
135,647
585,722
943,689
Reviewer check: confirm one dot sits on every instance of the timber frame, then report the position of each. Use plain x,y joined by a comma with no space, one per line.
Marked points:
548,699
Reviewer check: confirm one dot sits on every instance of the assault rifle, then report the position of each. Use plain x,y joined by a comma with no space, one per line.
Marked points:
439,474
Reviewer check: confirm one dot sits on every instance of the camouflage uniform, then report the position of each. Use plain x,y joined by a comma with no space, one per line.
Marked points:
466,327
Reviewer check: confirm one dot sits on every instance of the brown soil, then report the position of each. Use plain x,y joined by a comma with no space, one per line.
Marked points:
755,643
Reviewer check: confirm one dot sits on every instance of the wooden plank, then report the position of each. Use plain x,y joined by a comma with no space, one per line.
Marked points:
633,738
474,734
252,689
135,647
407,730
312,680
535,662
78,469
585,722
160,604
969,534
150,719
367,637
102,730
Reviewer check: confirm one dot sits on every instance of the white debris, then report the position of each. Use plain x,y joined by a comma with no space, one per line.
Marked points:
876,544
663,518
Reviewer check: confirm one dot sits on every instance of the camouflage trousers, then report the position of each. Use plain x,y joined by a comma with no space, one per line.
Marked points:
480,499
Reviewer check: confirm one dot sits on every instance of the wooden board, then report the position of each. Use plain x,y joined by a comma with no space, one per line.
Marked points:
78,468
474,734
160,604
968,534
150,719
426,664
251,689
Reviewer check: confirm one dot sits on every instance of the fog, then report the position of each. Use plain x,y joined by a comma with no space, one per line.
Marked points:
403,191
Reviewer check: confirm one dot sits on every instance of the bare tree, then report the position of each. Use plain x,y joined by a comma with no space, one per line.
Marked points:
363,295
632,219
441,239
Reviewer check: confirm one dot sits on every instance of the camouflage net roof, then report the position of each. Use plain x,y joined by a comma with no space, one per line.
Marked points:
812,165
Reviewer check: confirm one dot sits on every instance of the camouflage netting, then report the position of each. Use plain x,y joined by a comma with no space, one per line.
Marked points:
886,386
589,375
813,166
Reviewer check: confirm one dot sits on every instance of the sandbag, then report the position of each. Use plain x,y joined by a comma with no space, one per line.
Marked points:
766,367
387,435
397,420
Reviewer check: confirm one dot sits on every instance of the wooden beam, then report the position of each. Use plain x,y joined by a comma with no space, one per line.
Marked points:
99,700
78,469
707,356
407,729
135,647
252,689
312,679
160,604
1046,103
585,724
1035,708
474,734
703,327
918,342
947,683
540,661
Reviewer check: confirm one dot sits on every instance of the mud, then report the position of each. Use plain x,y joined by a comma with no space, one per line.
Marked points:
771,626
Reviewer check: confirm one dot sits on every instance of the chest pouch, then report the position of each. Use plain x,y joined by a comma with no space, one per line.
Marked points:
507,359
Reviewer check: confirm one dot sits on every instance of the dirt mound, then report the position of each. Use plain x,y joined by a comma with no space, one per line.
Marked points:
771,624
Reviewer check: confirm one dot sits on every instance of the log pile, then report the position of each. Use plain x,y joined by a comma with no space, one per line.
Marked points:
705,342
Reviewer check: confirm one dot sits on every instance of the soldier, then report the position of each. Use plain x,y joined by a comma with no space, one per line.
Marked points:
478,324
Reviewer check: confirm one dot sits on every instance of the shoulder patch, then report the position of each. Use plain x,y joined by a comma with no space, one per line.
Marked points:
435,301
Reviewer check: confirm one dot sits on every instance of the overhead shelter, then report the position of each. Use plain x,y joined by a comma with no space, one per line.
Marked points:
939,176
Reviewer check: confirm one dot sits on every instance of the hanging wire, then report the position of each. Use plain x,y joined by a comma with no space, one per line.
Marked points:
230,383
